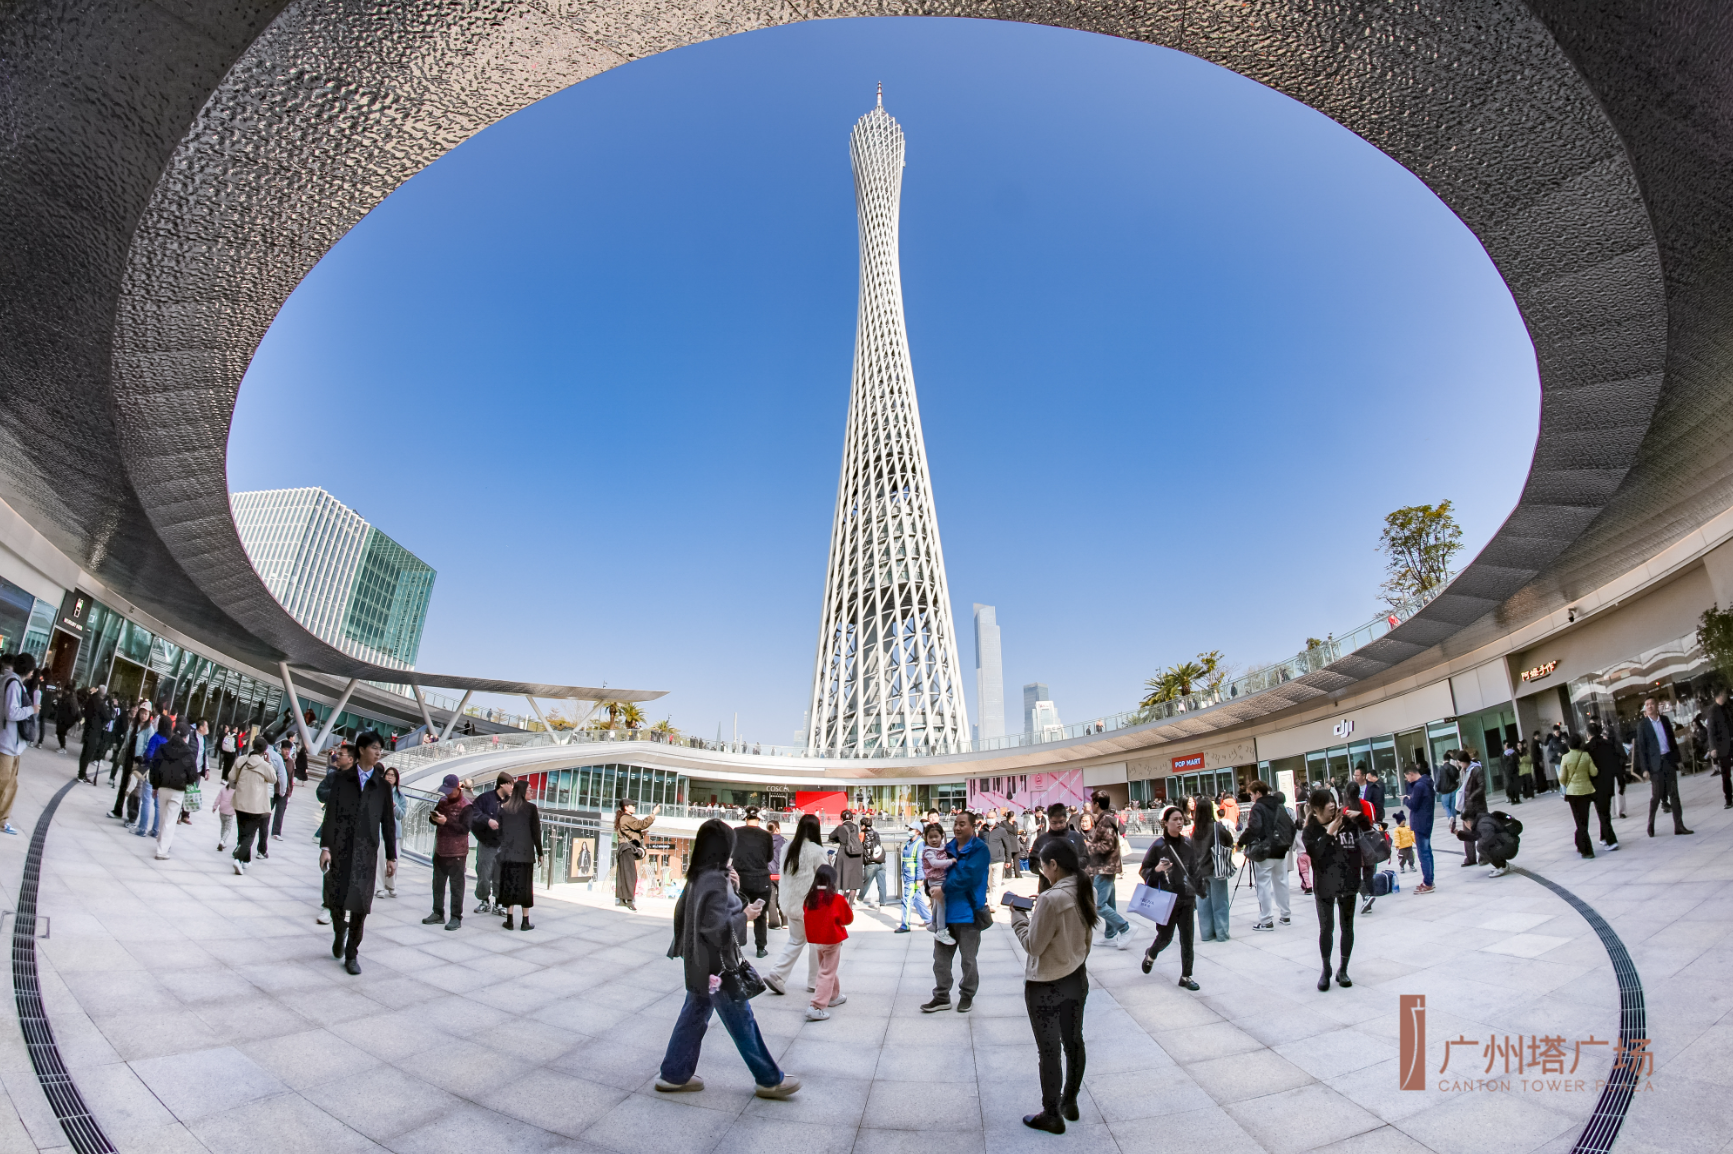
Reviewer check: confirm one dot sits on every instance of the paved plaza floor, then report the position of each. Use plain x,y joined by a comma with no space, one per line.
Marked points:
197,1010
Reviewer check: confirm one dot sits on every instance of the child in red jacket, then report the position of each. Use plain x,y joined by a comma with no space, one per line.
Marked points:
827,912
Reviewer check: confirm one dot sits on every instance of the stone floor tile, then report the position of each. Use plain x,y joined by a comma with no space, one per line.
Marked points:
642,1121
943,1106
1211,1129
293,1126
551,1101
197,1084
1301,1119
470,1128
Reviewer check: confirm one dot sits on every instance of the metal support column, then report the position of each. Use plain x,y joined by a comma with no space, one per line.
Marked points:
445,734
331,722
426,717
536,705
295,708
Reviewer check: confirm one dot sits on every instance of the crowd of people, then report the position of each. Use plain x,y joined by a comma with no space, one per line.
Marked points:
1347,840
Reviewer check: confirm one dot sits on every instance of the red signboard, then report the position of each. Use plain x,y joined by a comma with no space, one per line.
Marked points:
1189,763
826,803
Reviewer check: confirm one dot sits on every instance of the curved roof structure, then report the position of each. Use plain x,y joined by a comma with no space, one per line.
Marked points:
171,173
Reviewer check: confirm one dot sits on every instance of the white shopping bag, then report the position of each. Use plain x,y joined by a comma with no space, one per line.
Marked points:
1153,904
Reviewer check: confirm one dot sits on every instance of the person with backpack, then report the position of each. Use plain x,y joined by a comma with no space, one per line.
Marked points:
1419,799
872,861
18,726
1268,836
1446,780
1213,843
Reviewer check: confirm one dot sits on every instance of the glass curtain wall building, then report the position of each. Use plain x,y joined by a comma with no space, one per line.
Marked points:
339,576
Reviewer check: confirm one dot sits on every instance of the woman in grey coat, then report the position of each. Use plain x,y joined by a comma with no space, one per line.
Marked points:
709,929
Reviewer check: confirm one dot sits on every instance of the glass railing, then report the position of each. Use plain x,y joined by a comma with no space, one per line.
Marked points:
1248,684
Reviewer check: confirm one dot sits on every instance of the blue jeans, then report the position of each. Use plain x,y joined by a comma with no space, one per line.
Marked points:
872,871
1212,911
1107,905
146,810
914,900
681,1060
1450,805
1423,850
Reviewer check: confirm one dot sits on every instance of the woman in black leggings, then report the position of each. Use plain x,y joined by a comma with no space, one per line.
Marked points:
1331,839
1169,866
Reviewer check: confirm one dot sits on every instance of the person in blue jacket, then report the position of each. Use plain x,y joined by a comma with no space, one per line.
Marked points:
1418,799
965,896
913,901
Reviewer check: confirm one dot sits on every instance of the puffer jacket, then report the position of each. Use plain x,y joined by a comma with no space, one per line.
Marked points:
254,779
797,881
175,766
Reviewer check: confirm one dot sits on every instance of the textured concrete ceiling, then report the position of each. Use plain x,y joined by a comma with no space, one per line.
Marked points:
172,170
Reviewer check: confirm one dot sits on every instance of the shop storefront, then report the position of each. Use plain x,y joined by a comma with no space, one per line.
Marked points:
1211,770
1382,738
1601,671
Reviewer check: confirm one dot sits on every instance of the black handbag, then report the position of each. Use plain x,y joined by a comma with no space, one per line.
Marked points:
741,982
984,918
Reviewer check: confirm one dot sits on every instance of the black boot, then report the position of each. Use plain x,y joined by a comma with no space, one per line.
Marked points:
1068,1108
1342,978
1052,1123
1324,982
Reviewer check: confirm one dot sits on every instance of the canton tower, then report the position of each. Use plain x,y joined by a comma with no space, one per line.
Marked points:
886,681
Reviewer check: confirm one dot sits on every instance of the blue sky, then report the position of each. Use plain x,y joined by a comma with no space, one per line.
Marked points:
1180,343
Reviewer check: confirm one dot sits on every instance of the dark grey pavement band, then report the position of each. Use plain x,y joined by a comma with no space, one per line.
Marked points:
1603,1128
82,1130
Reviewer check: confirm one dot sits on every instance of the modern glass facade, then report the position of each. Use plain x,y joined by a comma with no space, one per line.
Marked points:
344,580
388,600
24,620
602,787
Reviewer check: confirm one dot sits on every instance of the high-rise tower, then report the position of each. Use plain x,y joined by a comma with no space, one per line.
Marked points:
887,679
989,675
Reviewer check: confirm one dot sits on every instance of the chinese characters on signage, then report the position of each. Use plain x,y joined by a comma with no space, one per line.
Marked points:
1539,671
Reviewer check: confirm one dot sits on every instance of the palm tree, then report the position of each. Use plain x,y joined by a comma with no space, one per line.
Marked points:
666,730
629,715
1174,683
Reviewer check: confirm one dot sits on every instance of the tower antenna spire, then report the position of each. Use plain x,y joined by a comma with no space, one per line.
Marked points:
881,94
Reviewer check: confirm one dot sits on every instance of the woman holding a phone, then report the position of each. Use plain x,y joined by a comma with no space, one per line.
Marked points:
1168,866
1332,841
1055,930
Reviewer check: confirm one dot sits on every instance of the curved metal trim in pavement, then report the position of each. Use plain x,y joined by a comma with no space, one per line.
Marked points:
1603,1128
82,1130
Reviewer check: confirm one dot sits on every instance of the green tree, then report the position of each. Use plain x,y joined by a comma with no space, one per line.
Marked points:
1418,542
1175,682
1715,635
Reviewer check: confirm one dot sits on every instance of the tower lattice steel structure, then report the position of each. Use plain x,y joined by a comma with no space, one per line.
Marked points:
887,677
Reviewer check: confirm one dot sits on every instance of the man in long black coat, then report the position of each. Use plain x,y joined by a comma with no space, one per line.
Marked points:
850,867
1721,743
358,816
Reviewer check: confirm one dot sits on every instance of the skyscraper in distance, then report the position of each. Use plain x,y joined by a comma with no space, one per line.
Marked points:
989,675
349,584
886,679
1033,693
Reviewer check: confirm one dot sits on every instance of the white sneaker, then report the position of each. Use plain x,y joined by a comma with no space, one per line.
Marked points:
1498,871
324,918
815,1014
775,984
239,868
1266,924
944,938
839,999
1119,942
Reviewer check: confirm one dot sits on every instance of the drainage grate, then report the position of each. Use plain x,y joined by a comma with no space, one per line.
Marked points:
81,1129
1603,1128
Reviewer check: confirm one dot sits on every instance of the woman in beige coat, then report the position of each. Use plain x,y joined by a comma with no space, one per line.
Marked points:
1055,937
254,780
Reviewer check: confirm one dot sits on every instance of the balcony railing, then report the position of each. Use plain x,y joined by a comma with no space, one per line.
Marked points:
1248,684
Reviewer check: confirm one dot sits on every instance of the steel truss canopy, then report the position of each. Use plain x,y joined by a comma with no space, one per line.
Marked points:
170,173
